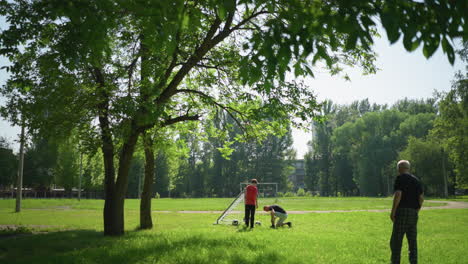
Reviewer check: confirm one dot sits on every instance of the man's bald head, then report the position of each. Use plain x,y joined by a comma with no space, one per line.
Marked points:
403,166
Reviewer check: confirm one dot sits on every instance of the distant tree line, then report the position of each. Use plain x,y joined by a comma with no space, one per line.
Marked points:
355,149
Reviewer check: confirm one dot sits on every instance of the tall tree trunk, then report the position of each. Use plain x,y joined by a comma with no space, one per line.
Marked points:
121,184
110,212
115,193
115,190
109,188
110,227
145,203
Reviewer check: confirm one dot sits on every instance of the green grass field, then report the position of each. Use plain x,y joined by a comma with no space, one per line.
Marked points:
75,235
460,198
203,204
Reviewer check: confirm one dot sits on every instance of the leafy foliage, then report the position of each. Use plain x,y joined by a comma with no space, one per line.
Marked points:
355,150
451,127
427,161
7,164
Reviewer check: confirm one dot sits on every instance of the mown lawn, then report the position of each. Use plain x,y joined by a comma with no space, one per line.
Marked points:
75,236
203,204
460,198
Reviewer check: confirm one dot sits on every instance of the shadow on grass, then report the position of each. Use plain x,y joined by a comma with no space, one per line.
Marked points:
90,246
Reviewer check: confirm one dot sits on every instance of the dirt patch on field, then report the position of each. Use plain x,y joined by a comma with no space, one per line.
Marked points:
449,205
66,208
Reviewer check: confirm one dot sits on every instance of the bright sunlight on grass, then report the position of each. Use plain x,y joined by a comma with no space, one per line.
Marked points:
75,235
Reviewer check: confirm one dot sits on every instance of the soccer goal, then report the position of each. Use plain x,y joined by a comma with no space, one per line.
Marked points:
234,212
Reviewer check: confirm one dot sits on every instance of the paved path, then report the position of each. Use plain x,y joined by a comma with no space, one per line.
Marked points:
448,205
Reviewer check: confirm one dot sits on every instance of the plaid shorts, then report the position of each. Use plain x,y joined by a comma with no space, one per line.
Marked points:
406,220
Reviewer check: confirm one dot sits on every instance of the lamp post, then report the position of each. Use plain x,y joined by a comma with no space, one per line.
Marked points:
19,182
444,174
79,177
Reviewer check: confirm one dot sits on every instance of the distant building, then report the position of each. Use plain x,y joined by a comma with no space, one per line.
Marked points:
298,175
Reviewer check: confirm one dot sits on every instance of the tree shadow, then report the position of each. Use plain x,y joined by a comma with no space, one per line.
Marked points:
90,246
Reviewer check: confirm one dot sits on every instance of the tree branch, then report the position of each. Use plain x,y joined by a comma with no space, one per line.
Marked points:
173,61
182,118
207,44
229,20
204,47
248,19
228,109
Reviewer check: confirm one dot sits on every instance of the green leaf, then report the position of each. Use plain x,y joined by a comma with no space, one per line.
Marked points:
284,57
430,47
229,5
448,49
321,51
309,70
367,21
267,86
185,21
171,46
222,12
298,70
465,29
351,41
255,74
409,44
409,34
391,26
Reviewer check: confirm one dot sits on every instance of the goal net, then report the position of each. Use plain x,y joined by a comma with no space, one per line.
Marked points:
234,212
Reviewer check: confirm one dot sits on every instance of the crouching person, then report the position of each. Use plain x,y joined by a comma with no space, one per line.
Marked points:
277,211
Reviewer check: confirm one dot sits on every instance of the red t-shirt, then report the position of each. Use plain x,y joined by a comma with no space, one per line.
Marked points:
251,194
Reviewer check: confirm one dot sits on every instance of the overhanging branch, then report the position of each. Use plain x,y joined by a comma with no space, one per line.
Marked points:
228,109
178,119
204,47
210,41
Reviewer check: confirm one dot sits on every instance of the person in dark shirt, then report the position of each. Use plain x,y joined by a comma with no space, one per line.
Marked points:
277,211
407,202
251,193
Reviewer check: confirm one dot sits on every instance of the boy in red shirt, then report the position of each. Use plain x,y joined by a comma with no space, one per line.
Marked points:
251,204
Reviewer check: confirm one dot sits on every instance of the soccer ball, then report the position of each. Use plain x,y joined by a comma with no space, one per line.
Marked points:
258,223
235,222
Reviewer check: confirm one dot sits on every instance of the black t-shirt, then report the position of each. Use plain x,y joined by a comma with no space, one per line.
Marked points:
278,208
411,188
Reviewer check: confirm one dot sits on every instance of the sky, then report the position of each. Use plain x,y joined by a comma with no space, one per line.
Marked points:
402,74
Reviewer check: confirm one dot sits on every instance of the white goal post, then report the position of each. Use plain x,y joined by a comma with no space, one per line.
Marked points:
226,216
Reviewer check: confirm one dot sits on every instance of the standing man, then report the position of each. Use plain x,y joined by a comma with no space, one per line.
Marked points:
251,193
407,202
277,211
